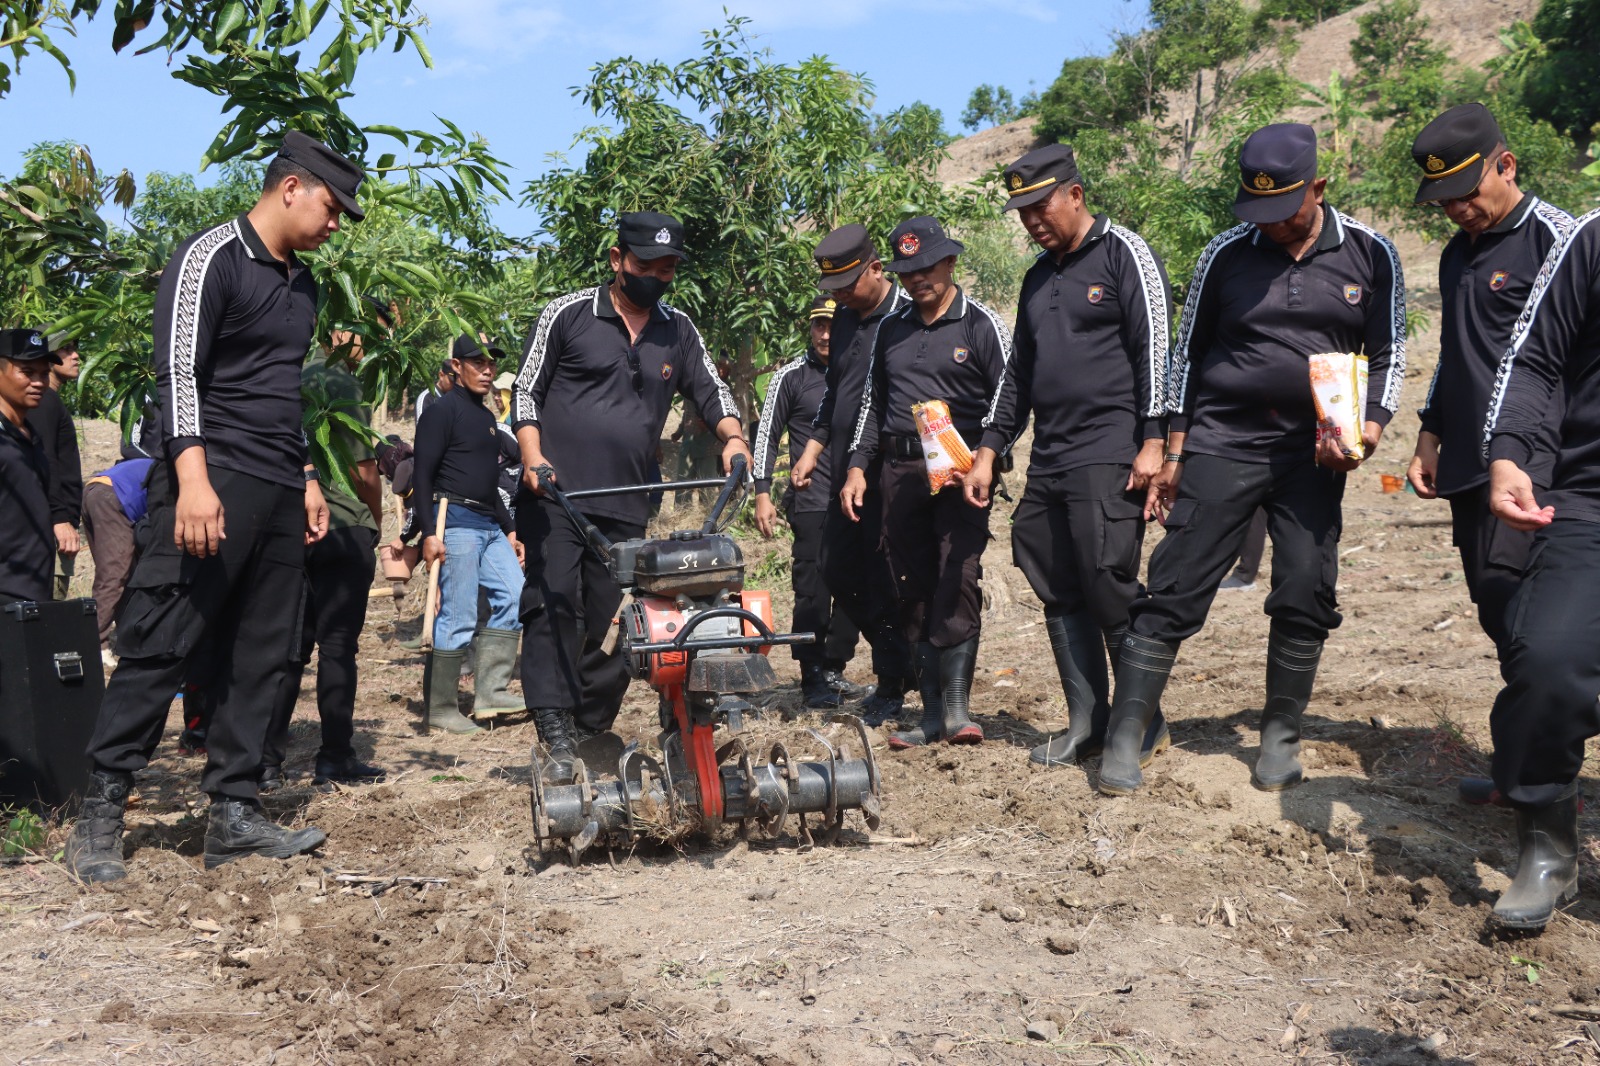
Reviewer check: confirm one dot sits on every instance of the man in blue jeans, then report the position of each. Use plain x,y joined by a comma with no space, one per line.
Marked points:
458,459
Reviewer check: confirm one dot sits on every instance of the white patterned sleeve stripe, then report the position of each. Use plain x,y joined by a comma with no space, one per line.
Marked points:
1178,373
1004,336
1519,332
523,409
1155,307
184,339
724,394
1390,401
764,433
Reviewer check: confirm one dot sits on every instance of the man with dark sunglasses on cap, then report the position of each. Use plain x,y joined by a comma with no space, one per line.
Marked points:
1296,279
793,392
1486,272
1091,368
26,567
852,274
233,502
598,375
945,346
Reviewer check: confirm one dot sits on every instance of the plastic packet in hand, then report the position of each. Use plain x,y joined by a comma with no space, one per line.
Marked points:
943,450
1339,388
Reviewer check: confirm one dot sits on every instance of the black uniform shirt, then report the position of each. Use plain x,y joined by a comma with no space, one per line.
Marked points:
53,429
960,359
1091,358
600,402
849,358
1484,284
1554,361
1241,383
793,395
232,328
457,455
28,562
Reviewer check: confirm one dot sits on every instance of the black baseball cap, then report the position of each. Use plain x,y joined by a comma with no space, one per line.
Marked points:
823,307
843,255
1276,164
1038,174
25,345
919,243
1451,150
342,176
466,347
651,235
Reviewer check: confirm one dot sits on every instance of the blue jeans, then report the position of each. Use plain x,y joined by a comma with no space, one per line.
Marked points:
476,553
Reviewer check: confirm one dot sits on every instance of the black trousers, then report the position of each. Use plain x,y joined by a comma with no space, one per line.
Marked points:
241,608
1493,557
1216,500
339,570
1551,665
862,588
1076,537
568,605
813,604
935,547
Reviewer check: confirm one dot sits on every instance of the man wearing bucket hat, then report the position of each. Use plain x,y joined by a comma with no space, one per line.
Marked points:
944,346
1297,278
1486,273
1091,369
233,502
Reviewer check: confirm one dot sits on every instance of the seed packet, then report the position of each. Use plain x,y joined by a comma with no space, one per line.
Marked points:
943,450
1339,388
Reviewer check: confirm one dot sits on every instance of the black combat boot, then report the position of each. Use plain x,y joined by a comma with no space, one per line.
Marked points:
237,828
956,666
1291,673
1547,866
887,700
849,690
931,727
346,771
1143,667
94,850
816,690
270,779
1075,640
561,743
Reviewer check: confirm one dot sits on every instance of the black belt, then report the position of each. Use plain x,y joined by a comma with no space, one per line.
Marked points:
476,505
902,447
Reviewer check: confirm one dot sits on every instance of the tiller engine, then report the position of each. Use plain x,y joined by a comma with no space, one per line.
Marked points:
689,627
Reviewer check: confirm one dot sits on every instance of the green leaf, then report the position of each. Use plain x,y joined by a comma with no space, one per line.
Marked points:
232,17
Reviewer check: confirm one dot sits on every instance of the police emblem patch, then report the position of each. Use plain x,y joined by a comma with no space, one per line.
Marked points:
1016,180
666,371
1352,294
1096,293
960,355
1264,181
909,244
663,236
1434,164
1497,280
827,264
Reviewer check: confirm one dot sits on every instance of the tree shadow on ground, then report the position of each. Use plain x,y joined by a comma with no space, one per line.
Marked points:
1360,1046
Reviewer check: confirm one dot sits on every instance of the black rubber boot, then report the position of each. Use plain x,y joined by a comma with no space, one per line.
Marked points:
560,741
441,680
1480,792
887,700
816,691
94,850
1291,673
931,727
1157,738
1075,640
1143,667
1547,868
497,660
346,771
237,828
956,666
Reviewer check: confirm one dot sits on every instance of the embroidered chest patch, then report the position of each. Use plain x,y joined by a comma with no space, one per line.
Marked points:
666,371
1497,280
1352,294
1096,293
960,355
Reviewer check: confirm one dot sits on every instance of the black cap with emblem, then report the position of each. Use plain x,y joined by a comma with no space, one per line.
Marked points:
651,235
919,243
843,254
823,307
1276,164
24,345
340,175
1451,150
467,347
1041,172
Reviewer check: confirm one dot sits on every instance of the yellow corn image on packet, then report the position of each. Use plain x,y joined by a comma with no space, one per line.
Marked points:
943,450
1339,389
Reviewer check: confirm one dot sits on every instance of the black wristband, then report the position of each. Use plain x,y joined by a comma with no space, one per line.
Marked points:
1175,457
311,474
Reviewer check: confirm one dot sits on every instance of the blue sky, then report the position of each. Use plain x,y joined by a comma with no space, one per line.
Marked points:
503,69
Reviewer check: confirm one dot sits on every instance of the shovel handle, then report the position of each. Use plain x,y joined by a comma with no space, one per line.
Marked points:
429,611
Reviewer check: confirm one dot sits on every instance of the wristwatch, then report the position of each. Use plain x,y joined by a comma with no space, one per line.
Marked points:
311,474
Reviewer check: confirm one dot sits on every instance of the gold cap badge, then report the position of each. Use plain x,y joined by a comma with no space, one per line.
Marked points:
827,264
1016,180
1264,181
1435,164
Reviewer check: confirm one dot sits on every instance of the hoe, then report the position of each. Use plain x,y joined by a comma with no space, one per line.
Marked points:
689,627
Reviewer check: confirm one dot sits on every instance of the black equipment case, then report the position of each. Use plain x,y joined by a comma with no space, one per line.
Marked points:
51,681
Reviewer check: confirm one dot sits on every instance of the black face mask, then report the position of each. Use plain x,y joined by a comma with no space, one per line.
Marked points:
642,290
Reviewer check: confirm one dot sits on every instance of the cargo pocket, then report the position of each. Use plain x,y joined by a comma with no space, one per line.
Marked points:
159,619
1120,535
1508,548
1170,561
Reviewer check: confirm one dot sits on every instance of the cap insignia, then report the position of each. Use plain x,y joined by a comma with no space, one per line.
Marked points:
35,340
827,264
1263,180
830,304
1434,164
1016,180
663,236
909,245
